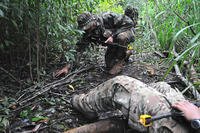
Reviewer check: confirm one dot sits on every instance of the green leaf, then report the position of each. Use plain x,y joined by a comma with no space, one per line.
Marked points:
187,50
1,13
38,118
159,14
24,113
4,121
179,32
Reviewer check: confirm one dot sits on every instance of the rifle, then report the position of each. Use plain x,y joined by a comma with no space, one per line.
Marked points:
97,40
111,44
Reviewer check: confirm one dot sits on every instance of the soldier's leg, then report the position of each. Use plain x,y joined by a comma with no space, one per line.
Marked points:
112,94
168,91
124,39
110,57
132,98
155,101
103,98
116,55
118,61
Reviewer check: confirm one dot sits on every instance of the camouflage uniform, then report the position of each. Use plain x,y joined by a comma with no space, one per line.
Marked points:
120,27
132,98
132,13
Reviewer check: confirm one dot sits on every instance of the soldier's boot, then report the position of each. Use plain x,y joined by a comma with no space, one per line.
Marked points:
128,54
119,63
117,68
110,57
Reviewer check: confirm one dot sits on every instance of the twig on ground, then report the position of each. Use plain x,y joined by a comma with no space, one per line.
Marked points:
193,75
194,92
65,80
185,89
57,94
20,96
27,105
13,77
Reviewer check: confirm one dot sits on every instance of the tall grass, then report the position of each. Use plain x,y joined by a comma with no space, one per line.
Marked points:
168,25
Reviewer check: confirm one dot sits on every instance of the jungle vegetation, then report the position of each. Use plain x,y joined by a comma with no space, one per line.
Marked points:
35,34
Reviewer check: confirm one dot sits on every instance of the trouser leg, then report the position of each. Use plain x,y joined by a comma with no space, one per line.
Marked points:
132,98
108,96
114,55
110,57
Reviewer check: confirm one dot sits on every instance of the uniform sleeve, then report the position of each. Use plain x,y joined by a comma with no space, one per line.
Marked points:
117,22
83,43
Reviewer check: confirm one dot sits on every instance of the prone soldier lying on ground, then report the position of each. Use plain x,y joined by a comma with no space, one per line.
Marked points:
132,98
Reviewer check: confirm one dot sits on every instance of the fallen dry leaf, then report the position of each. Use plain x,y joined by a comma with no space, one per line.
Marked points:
150,70
71,87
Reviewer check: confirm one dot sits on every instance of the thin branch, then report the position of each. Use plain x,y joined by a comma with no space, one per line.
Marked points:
38,39
191,87
193,75
13,77
195,93
65,80
30,56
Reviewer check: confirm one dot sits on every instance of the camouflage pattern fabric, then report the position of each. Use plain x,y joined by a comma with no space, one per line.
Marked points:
132,13
115,54
132,98
110,24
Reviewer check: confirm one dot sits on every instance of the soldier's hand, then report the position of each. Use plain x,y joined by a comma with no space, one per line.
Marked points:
109,40
63,71
189,110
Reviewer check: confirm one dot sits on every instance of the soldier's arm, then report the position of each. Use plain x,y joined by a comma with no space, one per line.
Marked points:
122,23
117,21
80,47
82,43
189,110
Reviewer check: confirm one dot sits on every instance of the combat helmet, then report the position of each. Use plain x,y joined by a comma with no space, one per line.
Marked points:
85,20
132,13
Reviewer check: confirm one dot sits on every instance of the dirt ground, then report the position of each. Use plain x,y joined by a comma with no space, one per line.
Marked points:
46,107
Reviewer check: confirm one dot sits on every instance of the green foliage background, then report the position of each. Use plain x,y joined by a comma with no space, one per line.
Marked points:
169,25
35,33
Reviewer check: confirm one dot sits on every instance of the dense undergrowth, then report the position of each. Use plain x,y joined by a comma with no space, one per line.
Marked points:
36,34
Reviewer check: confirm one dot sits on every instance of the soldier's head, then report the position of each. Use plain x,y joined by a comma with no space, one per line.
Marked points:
131,12
86,21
